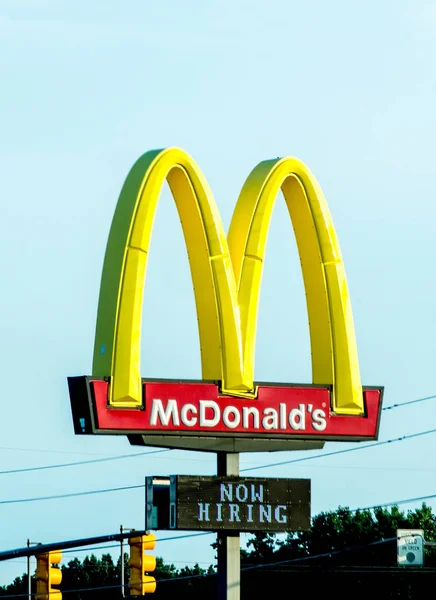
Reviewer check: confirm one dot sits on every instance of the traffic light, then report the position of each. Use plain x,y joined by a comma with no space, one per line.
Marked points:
47,576
140,564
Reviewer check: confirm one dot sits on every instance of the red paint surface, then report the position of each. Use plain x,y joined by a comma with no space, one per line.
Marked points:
298,411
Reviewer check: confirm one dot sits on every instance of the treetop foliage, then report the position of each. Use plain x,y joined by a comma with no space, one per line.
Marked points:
342,538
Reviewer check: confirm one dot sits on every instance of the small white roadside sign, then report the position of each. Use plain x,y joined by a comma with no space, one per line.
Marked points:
410,547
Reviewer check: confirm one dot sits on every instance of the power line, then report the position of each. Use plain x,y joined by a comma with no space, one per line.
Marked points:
299,559
190,535
365,468
82,462
71,495
206,533
343,451
125,456
166,539
110,457
406,501
187,535
285,462
45,450
75,550
399,405
178,537
321,555
248,568
86,543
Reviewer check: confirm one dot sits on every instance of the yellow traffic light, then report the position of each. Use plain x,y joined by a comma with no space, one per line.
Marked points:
47,576
140,564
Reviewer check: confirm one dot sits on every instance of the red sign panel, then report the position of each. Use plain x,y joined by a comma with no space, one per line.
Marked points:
283,411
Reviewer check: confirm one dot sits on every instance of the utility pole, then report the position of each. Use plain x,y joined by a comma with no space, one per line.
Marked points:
229,547
122,531
122,561
29,578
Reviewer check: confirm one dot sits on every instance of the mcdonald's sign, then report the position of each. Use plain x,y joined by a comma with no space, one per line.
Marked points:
227,410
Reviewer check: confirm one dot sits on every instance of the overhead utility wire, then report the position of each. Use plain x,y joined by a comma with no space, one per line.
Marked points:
166,539
406,501
124,456
322,555
82,462
399,405
335,452
285,462
190,535
248,568
72,495
204,533
80,543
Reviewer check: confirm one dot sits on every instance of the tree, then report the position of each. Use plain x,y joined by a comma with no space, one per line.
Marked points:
100,578
18,586
345,537
263,545
337,539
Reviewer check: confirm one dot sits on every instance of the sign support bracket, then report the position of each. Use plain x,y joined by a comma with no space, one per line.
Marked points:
228,543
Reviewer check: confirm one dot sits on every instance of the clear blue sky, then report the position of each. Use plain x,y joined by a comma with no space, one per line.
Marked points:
87,87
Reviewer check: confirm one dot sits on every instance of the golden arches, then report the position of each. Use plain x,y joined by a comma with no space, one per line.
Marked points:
226,276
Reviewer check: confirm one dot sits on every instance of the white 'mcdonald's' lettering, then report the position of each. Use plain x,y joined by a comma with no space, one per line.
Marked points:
209,414
170,412
188,408
208,405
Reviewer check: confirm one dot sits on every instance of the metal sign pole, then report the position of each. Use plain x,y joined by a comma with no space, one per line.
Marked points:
229,549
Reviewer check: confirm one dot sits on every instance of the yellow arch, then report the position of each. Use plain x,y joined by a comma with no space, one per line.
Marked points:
226,276
333,343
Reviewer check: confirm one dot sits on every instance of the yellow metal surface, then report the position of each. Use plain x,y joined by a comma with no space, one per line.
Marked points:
46,576
149,541
149,563
140,563
226,276
149,585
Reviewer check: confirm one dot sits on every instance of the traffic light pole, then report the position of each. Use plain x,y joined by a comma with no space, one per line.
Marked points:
229,548
43,548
